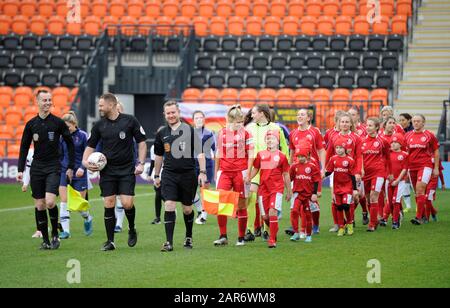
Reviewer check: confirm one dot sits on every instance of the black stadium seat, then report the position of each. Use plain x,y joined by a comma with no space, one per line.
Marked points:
278,61
248,43
254,80
216,79
69,78
346,79
357,42
21,59
66,42
85,43
230,43
260,61
11,42
39,60
211,43
314,61
320,42
50,78
351,61
5,58
30,42
137,44
308,79
371,61
273,79
376,42
31,78
12,78
235,80
389,61
48,42
394,42
198,79
58,60
385,79
327,79
76,60
291,79
242,61
332,61
204,61
223,61
302,43
266,43
297,61
338,43
365,79
285,43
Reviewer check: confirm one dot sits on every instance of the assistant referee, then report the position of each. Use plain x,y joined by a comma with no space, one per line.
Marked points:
45,131
117,131
177,145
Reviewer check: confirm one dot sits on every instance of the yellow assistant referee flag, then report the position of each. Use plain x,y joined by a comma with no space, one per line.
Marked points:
220,202
75,201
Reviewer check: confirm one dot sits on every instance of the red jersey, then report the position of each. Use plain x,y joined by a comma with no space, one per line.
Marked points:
353,150
376,156
361,130
312,136
399,162
304,176
233,149
272,165
398,129
329,135
342,167
385,136
421,147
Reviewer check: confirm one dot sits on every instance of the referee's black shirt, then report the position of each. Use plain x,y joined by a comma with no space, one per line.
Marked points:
117,143
179,148
46,134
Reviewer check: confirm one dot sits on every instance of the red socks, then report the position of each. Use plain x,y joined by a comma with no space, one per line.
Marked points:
421,204
363,202
222,220
373,215
258,221
242,221
273,228
316,218
396,212
295,215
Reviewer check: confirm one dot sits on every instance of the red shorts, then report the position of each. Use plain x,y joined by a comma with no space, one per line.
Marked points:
233,181
423,175
270,201
340,199
395,193
373,184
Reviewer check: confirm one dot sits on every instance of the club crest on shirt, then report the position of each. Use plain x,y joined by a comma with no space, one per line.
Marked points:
401,157
122,135
51,136
376,144
36,137
308,170
423,139
276,158
345,163
309,137
349,141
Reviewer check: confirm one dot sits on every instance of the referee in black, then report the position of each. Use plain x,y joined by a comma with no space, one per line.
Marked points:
117,131
45,131
177,144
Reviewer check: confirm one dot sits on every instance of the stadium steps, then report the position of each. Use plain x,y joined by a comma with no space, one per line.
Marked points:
426,74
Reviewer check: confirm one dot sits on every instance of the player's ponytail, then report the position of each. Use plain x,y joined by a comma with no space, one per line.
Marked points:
70,117
235,114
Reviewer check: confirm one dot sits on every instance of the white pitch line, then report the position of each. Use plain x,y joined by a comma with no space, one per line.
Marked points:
91,200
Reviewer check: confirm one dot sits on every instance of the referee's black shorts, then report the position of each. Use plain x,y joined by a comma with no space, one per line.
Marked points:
117,185
43,182
180,187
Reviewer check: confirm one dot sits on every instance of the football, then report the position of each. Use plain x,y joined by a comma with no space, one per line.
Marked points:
98,160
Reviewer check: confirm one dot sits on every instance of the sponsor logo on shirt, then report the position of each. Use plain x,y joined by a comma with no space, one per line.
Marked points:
417,146
340,170
303,177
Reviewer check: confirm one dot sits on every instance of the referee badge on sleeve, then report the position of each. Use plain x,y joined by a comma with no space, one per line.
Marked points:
122,135
36,137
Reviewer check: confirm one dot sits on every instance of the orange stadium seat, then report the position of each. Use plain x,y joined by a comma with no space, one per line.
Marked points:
19,131
135,8
382,26
331,8
46,8
5,24
206,8
182,24
153,8
340,95
248,97
387,8
210,95
218,26
92,25
60,96
236,25
145,23
28,8
348,8
61,8
13,150
272,25
6,132
117,8
13,116
285,97
30,112
20,25
38,25
73,28
361,26
260,8
224,8
344,25
308,25
170,8
85,6
11,8
23,96
56,25
201,26
267,96
109,23
254,25
399,25
99,8
128,25
290,25
360,97
189,8
278,8
229,96
303,95
364,9
314,8
191,95
379,94
242,8
404,7
325,25
6,96
164,21
321,95
296,8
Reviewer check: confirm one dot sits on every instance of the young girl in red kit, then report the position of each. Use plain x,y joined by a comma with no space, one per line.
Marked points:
345,190
306,177
396,187
274,171
233,163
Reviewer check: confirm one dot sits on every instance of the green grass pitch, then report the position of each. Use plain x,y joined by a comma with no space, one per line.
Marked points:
410,257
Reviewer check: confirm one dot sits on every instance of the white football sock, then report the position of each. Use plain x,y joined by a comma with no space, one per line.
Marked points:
64,215
120,213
